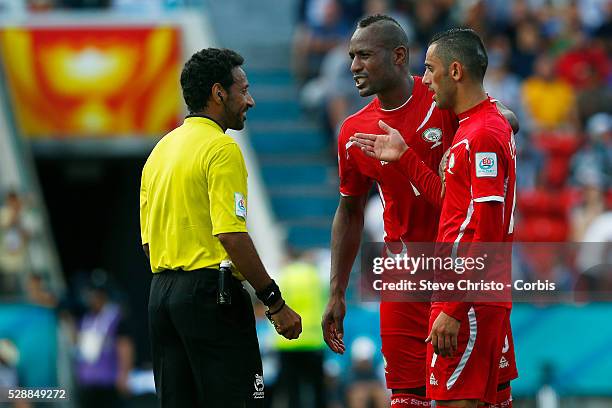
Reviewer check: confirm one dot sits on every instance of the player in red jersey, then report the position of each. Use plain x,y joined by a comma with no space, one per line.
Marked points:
380,66
468,339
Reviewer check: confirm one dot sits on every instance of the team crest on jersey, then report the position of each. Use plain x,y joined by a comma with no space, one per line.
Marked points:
433,135
486,164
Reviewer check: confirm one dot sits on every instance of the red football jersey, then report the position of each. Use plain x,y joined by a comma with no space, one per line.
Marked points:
408,216
481,167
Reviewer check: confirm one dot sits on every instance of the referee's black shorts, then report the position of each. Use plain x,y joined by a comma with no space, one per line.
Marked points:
204,354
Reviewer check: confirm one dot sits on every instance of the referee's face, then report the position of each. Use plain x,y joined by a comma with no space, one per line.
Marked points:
239,101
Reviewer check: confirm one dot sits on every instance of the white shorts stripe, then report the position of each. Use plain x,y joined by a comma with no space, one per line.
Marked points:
468,350
433,360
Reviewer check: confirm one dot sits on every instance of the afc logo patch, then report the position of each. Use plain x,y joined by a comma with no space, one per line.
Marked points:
486,164
240,204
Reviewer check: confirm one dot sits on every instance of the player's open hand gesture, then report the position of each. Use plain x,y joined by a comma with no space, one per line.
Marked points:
333,324
388,147
443,335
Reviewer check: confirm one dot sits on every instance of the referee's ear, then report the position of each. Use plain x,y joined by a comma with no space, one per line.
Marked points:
218,94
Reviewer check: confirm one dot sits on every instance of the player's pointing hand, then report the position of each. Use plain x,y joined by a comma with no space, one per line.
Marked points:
389,146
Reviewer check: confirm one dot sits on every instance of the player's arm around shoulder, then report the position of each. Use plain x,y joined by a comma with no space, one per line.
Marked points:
509,115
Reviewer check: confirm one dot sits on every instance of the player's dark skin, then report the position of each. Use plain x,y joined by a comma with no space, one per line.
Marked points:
381,71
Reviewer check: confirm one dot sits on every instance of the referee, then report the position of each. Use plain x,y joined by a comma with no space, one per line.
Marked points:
193,209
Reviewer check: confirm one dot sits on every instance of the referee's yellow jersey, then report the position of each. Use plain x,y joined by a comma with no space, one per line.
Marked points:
193,187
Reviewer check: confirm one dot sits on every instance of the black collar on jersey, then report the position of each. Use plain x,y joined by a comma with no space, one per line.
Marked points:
199,115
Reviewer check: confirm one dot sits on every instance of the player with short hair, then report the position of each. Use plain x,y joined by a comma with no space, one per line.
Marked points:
467,338
379,51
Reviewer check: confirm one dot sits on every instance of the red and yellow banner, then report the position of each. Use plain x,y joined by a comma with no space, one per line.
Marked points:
93,82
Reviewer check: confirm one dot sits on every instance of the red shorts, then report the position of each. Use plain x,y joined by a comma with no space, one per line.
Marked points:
473,372
403,330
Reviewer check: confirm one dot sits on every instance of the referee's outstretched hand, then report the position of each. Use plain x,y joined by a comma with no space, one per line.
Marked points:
288,323
333,324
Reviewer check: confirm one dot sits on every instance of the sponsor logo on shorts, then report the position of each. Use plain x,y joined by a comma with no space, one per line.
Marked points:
504,404
503,363
432,380
259,387
413,402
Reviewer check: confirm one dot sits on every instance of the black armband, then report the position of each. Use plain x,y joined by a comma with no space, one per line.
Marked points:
270,295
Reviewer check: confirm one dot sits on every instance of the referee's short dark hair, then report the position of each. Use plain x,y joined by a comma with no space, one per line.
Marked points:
205,68
465,46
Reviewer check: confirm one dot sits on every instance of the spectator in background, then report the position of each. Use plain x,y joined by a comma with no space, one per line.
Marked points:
301,360
430,18
364,386
9,376
604,31
16,228
595,156
595,257
37,293
591,206
526,48
499,81
592,13
584,65
322,25
548,101
104,349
